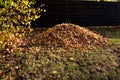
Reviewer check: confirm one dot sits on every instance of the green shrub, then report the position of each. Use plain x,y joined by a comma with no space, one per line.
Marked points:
18,13
16,17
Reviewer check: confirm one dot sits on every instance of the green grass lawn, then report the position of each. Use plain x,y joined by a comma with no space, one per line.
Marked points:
115,40
37,63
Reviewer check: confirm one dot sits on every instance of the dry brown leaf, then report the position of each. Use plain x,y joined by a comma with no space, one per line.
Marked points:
72,36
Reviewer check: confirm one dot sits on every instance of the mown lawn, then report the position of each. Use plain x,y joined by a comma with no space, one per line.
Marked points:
37,63
115,40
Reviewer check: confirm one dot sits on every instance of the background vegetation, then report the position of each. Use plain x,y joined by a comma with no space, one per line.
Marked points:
15,19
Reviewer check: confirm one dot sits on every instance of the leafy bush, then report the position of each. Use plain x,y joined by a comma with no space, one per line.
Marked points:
14,15
17,13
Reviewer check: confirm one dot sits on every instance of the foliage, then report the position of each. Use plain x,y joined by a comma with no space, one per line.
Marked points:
16,17
17,13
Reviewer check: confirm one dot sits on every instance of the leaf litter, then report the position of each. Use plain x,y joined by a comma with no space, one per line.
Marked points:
39,57
70,37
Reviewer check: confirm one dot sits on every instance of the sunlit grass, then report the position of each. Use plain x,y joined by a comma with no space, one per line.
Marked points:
115,40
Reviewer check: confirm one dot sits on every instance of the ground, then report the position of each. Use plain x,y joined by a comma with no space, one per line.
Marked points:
33,62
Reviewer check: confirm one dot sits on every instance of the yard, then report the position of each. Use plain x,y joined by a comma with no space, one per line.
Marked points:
35,62
63,52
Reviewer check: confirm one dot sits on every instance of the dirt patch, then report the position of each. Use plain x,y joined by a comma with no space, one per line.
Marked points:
70,36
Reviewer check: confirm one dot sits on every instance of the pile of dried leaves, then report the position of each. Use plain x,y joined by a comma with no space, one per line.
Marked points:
70,36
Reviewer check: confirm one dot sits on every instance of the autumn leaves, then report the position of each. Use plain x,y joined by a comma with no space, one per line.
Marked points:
70,36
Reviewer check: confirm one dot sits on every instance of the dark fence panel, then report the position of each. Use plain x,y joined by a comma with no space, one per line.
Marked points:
84,13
